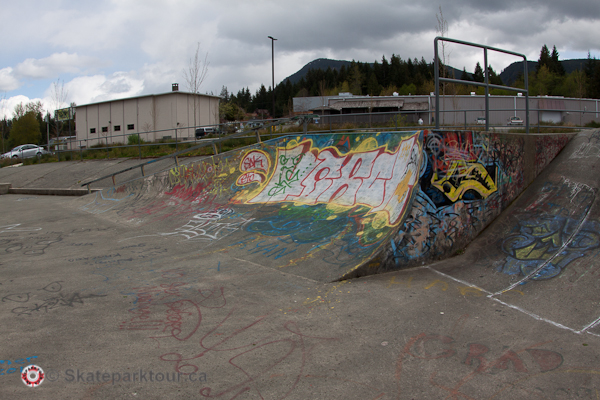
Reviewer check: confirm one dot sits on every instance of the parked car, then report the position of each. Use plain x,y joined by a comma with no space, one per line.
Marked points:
201,132
481,120
515,121
26,151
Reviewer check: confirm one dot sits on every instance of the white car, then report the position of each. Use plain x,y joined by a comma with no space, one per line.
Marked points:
515,121
26,151
481,120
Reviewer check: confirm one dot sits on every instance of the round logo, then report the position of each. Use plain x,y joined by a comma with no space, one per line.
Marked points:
32,376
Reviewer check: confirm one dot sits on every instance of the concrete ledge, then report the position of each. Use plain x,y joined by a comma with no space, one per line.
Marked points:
4,187
51,191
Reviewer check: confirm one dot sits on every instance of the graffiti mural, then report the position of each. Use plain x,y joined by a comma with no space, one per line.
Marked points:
460,166
343,201
371,175
552,233
464,181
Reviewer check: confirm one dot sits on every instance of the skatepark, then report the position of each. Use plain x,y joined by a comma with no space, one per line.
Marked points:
395,265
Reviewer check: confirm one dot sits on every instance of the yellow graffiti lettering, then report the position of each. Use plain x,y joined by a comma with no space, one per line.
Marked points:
407,282
461,177
470,290
438,282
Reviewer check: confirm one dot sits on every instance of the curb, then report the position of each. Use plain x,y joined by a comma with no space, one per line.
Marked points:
5,188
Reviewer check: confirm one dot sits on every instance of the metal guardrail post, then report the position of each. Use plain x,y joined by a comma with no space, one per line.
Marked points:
486,78
436,74
486,83
214,146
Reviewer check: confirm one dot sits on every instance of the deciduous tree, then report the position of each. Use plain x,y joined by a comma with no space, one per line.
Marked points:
25,129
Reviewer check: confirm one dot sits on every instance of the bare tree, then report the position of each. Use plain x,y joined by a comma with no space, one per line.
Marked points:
195,74
59,97
59,94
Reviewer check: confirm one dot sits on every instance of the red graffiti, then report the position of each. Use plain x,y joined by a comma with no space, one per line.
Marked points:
250,177
255,160
478,356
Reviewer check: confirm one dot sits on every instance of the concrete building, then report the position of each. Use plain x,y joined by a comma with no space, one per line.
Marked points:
454,110
153,117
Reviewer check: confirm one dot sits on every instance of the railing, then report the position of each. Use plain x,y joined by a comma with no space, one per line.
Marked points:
304,119
485,84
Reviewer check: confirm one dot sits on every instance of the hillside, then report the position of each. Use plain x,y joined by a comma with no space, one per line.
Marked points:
324,63
509,75
319,63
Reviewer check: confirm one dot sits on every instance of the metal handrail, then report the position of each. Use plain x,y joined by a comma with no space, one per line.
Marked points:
208,142
486,83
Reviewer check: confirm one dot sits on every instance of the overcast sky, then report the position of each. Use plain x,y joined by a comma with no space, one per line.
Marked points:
105,49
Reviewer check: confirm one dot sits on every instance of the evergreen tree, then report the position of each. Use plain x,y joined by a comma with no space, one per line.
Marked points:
373,87
555,65
589,65
544,59
478,73
493,78
465,76
594,82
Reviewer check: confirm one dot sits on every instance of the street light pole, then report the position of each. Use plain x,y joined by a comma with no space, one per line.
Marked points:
273,71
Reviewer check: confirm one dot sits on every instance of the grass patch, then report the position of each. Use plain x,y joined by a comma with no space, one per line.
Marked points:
593,124
7,162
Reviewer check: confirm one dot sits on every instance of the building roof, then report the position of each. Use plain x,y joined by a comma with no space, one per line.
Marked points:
149,95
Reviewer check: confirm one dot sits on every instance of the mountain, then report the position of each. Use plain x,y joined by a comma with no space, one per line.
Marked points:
511,73
324,63
319,63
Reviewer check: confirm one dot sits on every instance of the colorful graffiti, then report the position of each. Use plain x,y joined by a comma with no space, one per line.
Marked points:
460,166
463,183
370,175
337,198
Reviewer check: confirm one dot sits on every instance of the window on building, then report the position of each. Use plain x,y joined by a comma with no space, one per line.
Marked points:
130,127
92,130
105,129
117,128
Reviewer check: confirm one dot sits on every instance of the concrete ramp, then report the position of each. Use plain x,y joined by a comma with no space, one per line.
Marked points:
330,207
540,255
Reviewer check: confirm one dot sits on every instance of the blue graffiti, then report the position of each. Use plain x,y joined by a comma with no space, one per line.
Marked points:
547,244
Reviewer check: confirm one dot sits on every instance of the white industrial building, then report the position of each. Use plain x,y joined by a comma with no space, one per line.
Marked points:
154,117
454,110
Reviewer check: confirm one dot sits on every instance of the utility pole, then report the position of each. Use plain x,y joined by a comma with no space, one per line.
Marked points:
48,130
273,72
